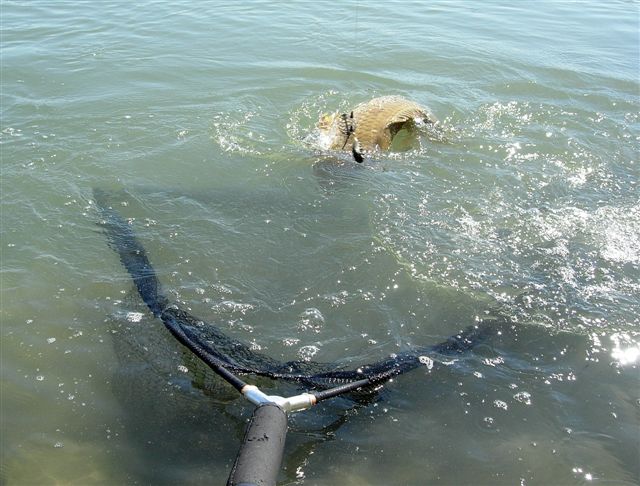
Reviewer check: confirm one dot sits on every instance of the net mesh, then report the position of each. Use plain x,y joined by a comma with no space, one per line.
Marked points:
217,349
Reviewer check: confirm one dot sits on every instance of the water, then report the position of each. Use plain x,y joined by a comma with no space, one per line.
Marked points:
194,116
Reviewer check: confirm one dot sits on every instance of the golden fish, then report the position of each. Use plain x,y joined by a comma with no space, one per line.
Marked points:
372,125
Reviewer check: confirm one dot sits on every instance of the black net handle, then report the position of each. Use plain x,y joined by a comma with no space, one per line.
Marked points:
260,455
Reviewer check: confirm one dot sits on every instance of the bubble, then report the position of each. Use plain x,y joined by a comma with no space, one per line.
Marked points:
134,316
305,353
493,361
230,307
425,360
500,404
311,319
290,341
523,397
255,346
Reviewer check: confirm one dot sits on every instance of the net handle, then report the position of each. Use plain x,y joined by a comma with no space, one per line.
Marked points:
260,455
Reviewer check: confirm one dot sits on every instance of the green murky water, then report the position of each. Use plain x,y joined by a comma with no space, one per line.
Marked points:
194,115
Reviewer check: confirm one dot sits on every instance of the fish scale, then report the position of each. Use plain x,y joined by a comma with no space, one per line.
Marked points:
376,122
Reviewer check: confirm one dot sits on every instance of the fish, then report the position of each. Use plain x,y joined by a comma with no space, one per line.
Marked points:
372,125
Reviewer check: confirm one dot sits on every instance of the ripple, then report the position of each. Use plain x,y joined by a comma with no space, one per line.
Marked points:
232,307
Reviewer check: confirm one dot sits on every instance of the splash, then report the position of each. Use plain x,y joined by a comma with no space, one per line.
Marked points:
507,212
233,132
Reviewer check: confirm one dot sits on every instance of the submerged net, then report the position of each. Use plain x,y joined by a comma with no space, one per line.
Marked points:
220,351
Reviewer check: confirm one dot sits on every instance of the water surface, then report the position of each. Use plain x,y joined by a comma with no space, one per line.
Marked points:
195,117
